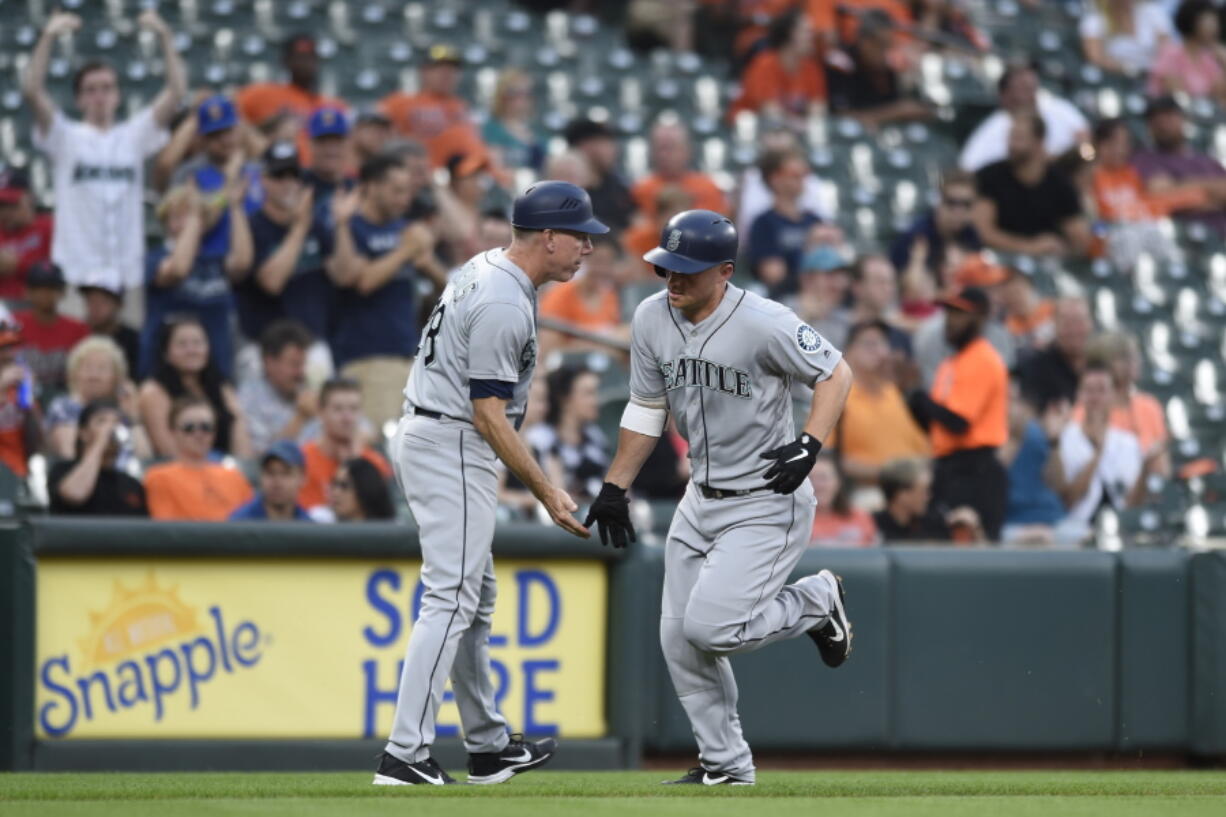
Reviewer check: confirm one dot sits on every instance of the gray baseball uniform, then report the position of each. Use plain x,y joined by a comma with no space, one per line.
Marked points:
483,328
730,548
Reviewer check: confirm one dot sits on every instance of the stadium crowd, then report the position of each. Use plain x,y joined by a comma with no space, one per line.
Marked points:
240,354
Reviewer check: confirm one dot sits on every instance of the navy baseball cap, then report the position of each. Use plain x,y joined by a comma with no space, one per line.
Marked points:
327,121
281,158
14,184
45,274
216,113
553,205
692,241
285,451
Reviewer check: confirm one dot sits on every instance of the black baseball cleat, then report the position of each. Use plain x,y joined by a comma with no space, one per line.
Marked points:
518,756
698,776
395,772
833,638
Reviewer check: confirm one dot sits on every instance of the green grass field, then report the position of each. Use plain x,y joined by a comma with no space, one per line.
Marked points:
593,794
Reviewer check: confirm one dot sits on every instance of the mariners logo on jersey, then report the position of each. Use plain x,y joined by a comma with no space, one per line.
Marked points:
808,339
694,371
527,357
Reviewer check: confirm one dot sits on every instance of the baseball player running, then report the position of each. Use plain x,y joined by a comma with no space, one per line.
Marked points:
722,360
463,401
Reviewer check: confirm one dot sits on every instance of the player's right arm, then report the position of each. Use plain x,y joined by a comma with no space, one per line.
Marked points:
641,427
498,334
34,84
490,420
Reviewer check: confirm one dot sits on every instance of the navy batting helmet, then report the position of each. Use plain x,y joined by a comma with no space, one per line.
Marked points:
555,206
693,241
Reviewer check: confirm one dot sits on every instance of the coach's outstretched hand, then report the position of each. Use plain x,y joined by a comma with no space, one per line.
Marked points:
611,509
560,507
792,464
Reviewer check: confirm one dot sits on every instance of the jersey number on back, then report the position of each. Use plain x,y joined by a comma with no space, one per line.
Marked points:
426,350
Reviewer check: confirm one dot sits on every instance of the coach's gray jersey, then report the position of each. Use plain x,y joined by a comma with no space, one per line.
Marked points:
483,328
727,379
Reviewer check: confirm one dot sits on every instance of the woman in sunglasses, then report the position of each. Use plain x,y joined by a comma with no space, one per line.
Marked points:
359,493
192,487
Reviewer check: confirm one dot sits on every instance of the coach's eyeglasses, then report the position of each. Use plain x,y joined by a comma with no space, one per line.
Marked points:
341,484
955,203
194,428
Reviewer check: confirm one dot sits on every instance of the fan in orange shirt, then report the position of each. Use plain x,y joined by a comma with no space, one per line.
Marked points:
191,487
591,300
876,426
340,412
785,80
967,415
670,164
1119,192
261,101
436,116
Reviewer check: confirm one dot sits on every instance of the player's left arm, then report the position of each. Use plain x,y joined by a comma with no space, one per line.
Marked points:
793,462
166,102
794,350
829,397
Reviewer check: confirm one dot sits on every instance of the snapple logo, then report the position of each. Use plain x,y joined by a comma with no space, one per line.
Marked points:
146,646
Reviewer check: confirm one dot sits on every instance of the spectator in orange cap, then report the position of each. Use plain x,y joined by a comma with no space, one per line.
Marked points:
966,414
670,164
929,342
785,80
436,115
262,101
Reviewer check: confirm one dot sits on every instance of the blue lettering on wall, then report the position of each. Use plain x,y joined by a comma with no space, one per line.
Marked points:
386,607
533,695
526,579
68,703
374,696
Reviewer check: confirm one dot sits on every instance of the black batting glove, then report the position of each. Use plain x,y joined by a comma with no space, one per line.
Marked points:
611,509
792,464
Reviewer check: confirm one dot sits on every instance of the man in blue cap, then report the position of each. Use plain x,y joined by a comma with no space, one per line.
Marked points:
464,400
328,129
281,473
220,162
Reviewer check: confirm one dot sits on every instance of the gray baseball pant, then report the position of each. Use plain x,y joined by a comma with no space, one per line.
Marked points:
446,470
726,561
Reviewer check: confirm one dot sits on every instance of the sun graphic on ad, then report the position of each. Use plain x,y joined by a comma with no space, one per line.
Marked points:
135,620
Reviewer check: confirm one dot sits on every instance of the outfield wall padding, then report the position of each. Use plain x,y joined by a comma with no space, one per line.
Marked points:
956,649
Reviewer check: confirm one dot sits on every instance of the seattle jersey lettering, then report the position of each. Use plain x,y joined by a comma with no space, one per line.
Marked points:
115,173
694,371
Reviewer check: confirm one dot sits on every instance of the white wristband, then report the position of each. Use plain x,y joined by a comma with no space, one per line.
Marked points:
644,420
